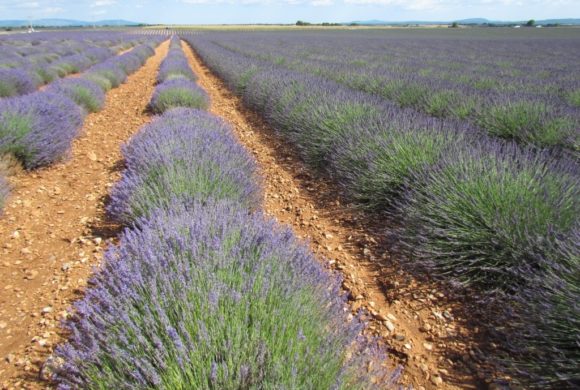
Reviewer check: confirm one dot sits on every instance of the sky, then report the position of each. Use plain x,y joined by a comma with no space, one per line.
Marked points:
286,11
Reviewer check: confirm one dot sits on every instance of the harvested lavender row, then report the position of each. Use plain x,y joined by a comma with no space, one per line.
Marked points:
177,87
505,95
38,128
474,211
27,64
203,293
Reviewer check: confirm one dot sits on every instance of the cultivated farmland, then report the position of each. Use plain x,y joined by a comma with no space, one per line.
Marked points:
338,209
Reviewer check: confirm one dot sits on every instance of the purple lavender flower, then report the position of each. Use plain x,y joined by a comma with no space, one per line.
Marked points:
15,82
85,93
164,166
168,268
38,128
178,93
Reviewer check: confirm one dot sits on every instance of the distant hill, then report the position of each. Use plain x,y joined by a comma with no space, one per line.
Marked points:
374,22
65,23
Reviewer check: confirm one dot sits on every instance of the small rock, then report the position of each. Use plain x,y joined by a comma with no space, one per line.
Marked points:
381,317
399,337
10,358
428,346
50,367
407,346
425,328
389,326
66,266
328,235
3,324
391,317
47,310
31,274
25,251
92,156
437,380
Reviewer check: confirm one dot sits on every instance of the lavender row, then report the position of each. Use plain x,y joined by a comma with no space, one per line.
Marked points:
545,113
177,87
38,128
203,293
25,65
473,211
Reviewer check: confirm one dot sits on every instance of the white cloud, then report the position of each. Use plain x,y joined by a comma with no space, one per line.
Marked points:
262,2
28,4
52,10
103,3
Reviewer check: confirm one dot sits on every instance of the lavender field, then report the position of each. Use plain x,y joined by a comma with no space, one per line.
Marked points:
469,141
459,149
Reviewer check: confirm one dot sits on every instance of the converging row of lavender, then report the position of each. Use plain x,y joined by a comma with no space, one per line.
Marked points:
495,218
38,128
203,290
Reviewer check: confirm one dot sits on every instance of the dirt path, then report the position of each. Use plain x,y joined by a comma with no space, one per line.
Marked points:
416,320
54,229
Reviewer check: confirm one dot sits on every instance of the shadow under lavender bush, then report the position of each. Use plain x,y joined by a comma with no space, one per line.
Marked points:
4,191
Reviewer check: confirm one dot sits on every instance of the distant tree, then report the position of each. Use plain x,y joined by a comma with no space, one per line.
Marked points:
302,23
531,23
454,25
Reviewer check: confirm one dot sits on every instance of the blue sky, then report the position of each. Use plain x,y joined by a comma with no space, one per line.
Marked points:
286,11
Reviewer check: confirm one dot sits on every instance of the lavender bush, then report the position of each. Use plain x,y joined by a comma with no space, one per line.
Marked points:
470,218
477,213
15,82
178,93
175,65
85,93
208,296
186,155
38,128
440,74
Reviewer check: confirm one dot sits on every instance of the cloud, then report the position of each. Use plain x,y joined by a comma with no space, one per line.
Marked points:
262,2
52,10
103,3
28,4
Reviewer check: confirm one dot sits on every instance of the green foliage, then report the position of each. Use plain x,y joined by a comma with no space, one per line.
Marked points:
528,122
13,130
574,98
472,218
378,166
85,98
178,97
100,79
7,89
